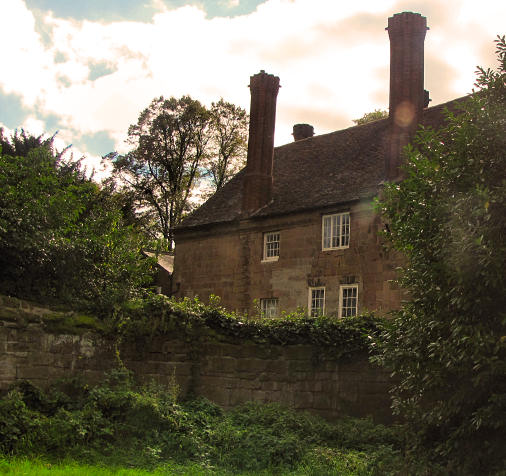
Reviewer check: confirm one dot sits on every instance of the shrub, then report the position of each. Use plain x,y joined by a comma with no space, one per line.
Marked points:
120,424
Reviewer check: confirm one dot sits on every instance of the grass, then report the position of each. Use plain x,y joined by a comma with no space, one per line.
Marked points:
351,464
39,467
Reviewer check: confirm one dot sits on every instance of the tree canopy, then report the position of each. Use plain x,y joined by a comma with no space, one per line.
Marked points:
447,346
229,142
177,142
375,115
62,237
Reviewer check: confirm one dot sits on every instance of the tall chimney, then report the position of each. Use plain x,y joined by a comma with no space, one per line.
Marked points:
302,131
407,35
257,191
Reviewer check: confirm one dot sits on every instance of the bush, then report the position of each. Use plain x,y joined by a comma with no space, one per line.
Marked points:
160,315
119,424
62,237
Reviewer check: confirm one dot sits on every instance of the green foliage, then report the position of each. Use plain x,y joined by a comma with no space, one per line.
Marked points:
159,315
447,346
119,424
20,143
229,142
175,143
62,237
375,115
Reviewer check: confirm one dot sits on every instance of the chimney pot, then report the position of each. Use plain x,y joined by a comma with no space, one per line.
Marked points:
302,131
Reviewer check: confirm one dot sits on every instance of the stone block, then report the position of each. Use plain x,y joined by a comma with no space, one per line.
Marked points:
271,385
303,400
249,384
218,395
31,372
298,352
18,347
42,358
260,396
322,401
287,396
254,366
7,368
299,366
221,364
240,395
296,377
348,392
267,352
20,355
323,375
62,361
219,348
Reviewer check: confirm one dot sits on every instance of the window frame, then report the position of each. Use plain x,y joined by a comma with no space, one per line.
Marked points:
265,243
264,307
310,301
342,236
342,287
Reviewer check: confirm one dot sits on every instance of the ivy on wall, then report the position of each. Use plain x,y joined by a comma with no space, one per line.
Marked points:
159,315
190,319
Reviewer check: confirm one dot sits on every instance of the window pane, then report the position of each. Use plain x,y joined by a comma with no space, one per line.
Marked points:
336,231
345,229
271,248
317,302
327,231
269,307
349,301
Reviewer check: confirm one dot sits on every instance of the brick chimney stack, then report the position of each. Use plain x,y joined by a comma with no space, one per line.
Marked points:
407,35
302,131
257,191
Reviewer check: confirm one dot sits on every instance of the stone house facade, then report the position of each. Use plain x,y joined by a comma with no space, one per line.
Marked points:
297,226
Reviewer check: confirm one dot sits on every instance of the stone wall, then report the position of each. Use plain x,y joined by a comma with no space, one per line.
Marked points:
227,372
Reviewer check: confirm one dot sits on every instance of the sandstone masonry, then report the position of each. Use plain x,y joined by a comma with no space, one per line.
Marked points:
227,371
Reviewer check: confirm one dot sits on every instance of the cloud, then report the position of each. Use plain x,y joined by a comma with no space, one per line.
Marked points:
89,71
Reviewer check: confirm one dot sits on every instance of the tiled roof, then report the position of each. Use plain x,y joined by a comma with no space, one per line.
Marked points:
164,260
317,172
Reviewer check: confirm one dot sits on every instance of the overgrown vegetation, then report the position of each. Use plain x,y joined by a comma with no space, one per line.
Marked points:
62,237
447,346
119,425
159,315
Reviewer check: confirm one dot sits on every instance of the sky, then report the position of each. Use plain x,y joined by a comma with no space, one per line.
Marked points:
86,69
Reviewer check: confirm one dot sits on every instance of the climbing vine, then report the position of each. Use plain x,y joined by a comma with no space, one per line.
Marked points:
159,315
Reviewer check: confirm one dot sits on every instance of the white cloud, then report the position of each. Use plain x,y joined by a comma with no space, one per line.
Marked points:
332,59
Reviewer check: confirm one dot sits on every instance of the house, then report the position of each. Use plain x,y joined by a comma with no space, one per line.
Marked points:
164,270
297,226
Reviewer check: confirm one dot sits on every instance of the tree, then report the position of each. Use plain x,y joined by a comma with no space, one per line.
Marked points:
62,238
20,143
375,115
170,140
229,142
177,142
447,346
